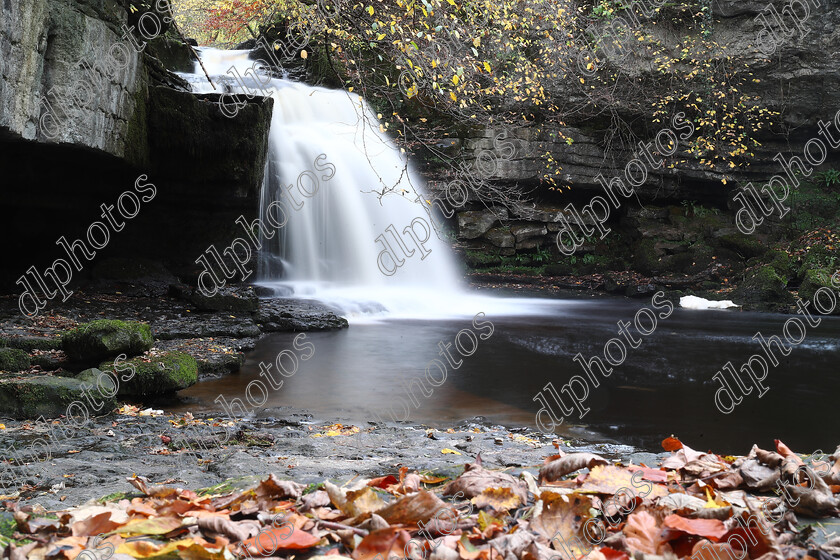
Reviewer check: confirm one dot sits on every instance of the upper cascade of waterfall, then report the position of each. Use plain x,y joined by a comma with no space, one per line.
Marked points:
329,159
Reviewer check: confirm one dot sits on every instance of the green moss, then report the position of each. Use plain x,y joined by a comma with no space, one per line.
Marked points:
12,359
30,343
818,256
8,525
763,286
107,338
230,485
312,487
137,128
167,373
646,260
781,263
747,246
117,496
482,259
813,281
45,395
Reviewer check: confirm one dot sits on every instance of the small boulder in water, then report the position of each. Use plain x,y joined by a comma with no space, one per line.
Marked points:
694,302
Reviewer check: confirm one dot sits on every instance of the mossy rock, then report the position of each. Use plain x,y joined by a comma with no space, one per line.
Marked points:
13,359
33,396
646,259
813,281
106,338
30,343
817,257
781,263
166,373
172,52
480,259
682,263
747,246
763,286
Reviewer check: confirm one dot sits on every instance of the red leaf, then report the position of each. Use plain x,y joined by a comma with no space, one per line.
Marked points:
385,543
671,444
383,481
653,475
281,538
712,529
612,554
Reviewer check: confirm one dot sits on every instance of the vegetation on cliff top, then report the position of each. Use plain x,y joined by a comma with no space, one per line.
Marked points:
537,63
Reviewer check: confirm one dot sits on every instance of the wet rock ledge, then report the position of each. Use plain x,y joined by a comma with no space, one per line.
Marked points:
170,334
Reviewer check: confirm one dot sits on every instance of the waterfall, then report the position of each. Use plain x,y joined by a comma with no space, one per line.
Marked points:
328,158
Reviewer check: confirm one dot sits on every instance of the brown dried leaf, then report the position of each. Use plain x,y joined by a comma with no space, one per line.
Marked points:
769,458
610,479
728,481
95,525
476,479
569,463
812,502
272,487
756,476
563,517
154,490
418,507
319,498
685,455
236,530
521,544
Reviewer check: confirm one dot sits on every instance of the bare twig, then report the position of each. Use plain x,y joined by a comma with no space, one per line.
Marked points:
342,527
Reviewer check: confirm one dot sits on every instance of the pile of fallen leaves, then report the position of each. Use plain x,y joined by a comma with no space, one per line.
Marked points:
693,503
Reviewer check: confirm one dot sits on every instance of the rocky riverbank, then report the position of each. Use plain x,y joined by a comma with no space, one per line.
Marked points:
44,359
94,461
681,250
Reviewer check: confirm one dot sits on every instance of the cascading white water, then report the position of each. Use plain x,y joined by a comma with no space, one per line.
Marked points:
328,249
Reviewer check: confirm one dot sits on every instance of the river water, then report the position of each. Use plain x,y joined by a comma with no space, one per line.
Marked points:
664,387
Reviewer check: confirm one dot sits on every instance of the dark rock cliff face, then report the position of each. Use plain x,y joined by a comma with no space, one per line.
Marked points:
86,109
800,79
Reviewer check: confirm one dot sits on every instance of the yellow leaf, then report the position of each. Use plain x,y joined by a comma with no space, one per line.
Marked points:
454,98
448,451
147,549
710,502
455,79
477,42
500,499
152,526
369,10
582,81
304,54
487,66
